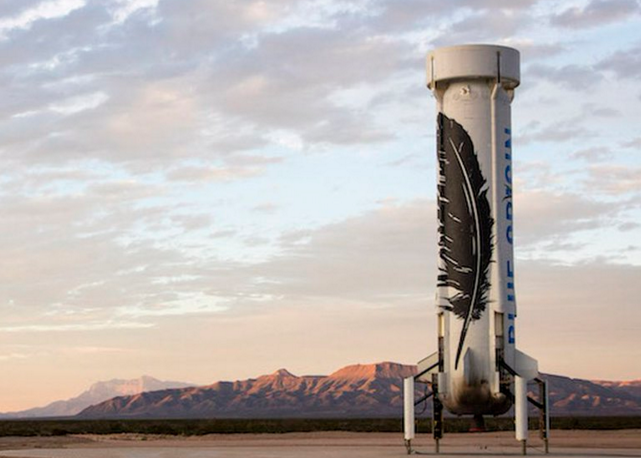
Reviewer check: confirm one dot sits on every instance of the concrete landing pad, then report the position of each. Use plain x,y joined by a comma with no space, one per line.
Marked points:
322,445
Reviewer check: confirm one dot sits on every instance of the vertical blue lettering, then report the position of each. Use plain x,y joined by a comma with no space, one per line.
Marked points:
510,329
508,144
510,284
509,235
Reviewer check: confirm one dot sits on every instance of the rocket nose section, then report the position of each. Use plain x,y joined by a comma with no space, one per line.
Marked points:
474,61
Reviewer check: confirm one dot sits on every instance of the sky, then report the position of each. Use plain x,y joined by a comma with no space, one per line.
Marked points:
204,190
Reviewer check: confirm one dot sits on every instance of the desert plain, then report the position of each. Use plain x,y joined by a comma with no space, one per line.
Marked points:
617,443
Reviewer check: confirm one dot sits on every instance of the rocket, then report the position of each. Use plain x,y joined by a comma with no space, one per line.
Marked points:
477,369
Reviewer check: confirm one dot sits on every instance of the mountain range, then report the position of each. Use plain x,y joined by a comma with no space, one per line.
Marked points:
354,391
361,390
97,393
372,390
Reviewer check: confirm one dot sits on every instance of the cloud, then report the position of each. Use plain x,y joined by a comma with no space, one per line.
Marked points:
45,10
410,15
575,77
624,63
628,226
81,252
80,103
352,259
6,357
634,143
558,131
375,273
141,90
500,4
266,207
121,191
600,111
381,258
614,179
597,153
224,174
123,9
385,257
192,222
567,302
84,327
481,26
211,21
595,13
534,51
277,86
543,215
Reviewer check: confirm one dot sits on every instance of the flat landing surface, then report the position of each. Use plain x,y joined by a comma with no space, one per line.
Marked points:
626,443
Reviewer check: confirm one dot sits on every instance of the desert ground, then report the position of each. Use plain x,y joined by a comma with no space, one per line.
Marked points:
621,443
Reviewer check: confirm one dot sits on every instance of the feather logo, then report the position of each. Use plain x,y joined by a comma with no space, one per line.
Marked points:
465,225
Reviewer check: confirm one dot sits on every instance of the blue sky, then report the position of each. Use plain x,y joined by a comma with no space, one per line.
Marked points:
203,190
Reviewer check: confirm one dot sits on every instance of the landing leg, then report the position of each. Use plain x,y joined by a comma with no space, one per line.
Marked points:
520,411
408,412
544,413
437,415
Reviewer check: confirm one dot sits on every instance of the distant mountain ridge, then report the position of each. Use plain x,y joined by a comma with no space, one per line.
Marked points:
369,390
354,391
570,396
632,387
97,393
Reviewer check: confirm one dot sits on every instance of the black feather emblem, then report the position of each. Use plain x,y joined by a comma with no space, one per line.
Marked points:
465,225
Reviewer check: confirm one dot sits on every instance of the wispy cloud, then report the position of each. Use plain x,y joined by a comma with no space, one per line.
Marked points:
123,9
79,103
575,77
625,63
195,174
44,10
615,179
596,13
88,326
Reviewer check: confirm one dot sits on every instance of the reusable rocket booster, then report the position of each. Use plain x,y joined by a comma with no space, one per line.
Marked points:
477,370
475,298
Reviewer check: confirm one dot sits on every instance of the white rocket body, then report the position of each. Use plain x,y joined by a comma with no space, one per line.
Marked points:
475,298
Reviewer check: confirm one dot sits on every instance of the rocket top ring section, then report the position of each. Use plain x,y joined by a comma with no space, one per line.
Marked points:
474,61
